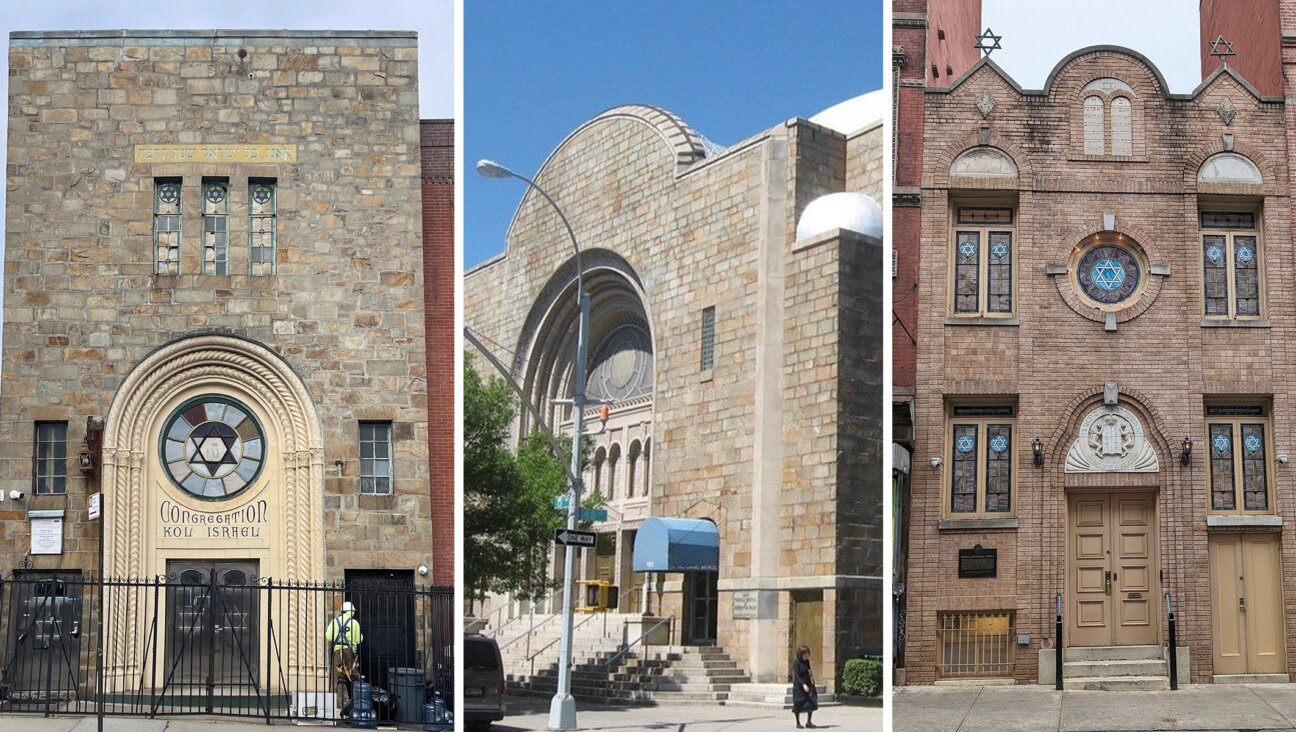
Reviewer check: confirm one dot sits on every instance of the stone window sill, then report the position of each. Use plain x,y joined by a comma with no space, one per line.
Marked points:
1224,520
981,524
1223,323
982,321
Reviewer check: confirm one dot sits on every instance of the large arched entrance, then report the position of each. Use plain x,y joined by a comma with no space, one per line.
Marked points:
212,478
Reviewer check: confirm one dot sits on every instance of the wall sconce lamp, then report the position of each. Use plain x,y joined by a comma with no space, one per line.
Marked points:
1185,457
85,459
1037,453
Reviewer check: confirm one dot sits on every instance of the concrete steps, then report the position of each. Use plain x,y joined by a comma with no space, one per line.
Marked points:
1115,668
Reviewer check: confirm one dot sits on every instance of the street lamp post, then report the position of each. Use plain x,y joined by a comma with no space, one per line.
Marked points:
562,708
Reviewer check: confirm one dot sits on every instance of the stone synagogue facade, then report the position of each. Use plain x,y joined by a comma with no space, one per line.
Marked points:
736,329
1103,419
213,262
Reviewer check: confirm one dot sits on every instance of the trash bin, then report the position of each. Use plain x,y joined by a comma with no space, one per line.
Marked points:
409,685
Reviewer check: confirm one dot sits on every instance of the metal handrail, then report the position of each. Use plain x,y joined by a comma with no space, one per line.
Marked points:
627,646
497,631
534,628
550,644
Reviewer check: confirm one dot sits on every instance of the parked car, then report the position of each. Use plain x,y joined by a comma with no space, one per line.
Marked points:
483,690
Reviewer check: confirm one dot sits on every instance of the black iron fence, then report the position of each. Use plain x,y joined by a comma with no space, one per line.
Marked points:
214,641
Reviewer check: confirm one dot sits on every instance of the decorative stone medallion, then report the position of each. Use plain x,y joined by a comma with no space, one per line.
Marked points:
1227,110
1111,441
212,447
985,104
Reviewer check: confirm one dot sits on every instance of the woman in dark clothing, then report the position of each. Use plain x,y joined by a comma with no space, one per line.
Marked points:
805,698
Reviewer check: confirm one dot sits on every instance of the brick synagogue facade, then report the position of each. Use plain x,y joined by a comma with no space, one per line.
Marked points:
1102,418
219,264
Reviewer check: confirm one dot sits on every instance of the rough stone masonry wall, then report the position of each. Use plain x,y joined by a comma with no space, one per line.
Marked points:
1055,362
82,304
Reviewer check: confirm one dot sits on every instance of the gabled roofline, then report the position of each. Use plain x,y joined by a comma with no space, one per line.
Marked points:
1223,69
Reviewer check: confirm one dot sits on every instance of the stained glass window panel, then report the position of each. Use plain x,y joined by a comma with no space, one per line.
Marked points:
967,260
1000,272
1221,467
166,226
1255,485
1227,220
998,468
1215,274
263,225
963,470
1246,270
215,207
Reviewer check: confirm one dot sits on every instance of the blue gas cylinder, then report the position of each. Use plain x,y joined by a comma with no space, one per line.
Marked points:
363,715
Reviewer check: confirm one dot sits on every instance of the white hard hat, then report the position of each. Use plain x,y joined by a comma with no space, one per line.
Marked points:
347,607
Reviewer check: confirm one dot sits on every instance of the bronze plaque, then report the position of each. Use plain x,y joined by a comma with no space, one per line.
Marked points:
978,562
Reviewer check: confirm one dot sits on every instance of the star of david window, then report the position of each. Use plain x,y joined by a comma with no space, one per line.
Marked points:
212,447
979,483
1231,271
1239,466
1108,274
982,283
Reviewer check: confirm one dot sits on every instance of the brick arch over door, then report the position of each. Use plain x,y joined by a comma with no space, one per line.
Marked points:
218,362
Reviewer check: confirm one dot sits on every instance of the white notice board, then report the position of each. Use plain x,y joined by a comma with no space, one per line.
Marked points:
47,536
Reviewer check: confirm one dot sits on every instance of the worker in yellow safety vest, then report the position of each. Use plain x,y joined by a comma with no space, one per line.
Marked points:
343,636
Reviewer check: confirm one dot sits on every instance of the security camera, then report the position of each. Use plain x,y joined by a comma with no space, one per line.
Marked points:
17,495
1282,459
251,74
422,570
935,462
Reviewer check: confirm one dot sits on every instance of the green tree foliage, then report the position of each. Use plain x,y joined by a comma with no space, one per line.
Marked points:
509,516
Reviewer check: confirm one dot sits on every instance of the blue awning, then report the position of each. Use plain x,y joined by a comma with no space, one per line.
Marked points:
677,545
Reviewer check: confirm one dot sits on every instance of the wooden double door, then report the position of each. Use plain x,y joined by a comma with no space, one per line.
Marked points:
1113,586
1247,604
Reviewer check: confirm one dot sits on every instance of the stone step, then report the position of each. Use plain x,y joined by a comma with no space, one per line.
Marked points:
1113,653
1117,683
1083,669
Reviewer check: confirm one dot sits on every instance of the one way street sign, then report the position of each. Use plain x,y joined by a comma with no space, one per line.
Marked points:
569,537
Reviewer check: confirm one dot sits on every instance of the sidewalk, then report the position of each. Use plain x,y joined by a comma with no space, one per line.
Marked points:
530,714
1039,708
36,723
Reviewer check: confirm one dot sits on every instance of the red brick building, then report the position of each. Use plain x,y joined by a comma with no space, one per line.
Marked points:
933,40
1102,416
436,140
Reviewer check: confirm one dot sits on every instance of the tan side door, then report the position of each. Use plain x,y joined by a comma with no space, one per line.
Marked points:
1112,569
1246,604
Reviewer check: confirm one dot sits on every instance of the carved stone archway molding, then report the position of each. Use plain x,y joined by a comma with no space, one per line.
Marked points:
217,362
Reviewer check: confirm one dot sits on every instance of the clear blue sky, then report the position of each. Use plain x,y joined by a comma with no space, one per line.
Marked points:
534,71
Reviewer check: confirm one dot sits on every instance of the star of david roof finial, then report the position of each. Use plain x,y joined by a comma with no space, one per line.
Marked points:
988,42
1222,49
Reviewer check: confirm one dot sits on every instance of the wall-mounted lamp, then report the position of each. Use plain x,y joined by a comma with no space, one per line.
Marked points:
1037,453
1185,457
85,459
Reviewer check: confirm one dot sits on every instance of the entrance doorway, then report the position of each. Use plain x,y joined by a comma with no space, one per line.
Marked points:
1246,604
1112,560
45,611
384,602
807,626
212,633
701,607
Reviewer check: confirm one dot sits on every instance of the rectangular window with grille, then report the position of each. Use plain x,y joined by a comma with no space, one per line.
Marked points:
982,272
708,338
215,223
1239,466
50,458
375,457
975,645
1231,271
263,220
166,226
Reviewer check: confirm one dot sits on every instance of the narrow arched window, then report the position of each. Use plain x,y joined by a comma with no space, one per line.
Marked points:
600,458
1094,132
631,483
1122,137
614,457
647,466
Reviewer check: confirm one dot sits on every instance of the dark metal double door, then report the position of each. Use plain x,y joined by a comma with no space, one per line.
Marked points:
212,628
45,637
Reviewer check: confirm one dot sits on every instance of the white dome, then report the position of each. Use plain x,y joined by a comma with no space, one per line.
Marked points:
852,211
855,113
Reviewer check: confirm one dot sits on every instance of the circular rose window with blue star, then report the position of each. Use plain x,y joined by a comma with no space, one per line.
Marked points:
213,447
1108,274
